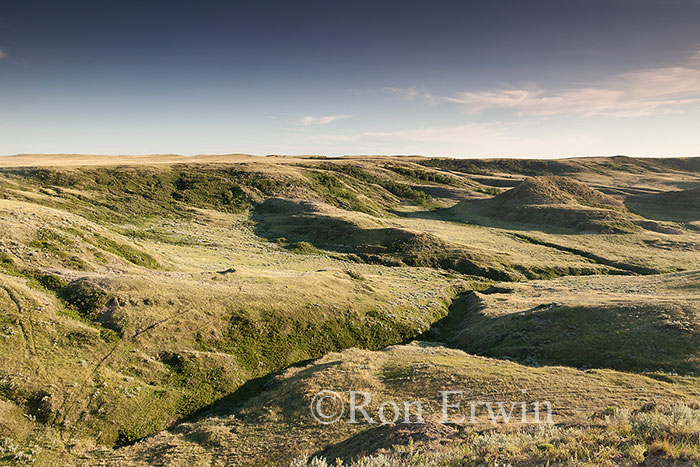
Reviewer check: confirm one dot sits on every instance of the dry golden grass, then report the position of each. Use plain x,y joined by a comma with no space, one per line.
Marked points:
277,425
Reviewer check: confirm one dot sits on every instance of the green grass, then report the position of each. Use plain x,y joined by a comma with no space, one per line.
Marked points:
400,190
126,251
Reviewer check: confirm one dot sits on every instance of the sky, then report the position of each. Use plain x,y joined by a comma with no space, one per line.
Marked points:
489,78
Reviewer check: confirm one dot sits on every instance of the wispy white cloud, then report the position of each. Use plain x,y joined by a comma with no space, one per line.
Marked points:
522,138
412,93
3,54
635,93
466,133
325,120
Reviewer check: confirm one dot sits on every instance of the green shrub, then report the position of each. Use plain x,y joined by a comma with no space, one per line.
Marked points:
50,241
87,299
201,383
127,252
51,282
109,335
424,175
303,248
7,264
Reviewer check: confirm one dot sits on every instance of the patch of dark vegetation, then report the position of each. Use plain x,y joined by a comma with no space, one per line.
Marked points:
400,190
277,340
87,299
336,193
302,248
127,437
51,282
511,166
210,190
7,264
202,383
424,175
110,335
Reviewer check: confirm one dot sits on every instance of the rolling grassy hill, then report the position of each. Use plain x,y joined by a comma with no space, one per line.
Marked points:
143,294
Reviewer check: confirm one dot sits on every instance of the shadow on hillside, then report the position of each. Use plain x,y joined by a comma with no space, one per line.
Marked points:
446,328
286,221
386,436
480,212
674,206
634,337
302,231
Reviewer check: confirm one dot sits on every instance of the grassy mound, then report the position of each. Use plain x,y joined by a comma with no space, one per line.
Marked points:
558,202
554,190
562,202
641,324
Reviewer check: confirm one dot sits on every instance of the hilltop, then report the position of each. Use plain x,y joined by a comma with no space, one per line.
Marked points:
547,190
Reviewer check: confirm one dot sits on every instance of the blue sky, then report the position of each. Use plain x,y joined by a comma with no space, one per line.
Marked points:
465,79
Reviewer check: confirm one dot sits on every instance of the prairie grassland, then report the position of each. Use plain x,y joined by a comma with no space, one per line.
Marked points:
137,293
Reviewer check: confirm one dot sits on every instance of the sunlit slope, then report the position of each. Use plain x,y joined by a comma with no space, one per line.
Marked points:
277,425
